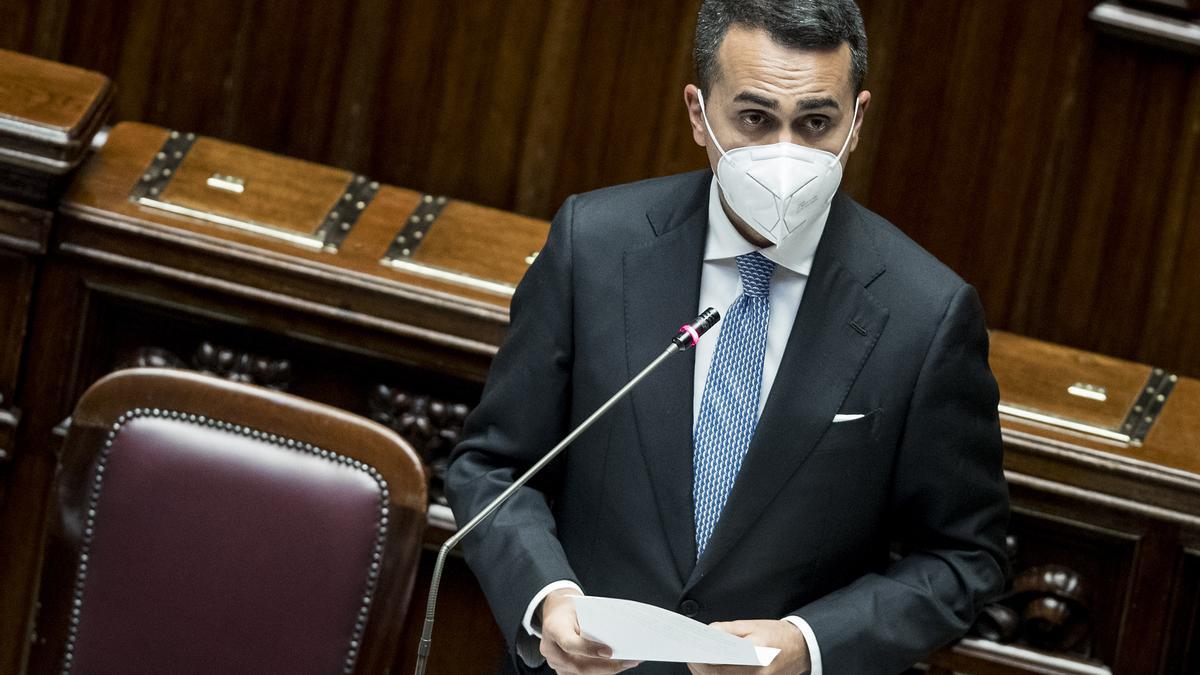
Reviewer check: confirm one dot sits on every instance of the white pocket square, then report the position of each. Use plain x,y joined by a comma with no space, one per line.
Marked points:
850,417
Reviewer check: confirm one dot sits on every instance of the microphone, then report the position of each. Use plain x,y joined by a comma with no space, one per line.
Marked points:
689,334
699,326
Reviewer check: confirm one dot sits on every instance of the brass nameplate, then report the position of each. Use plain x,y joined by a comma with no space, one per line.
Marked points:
1137,423
225,197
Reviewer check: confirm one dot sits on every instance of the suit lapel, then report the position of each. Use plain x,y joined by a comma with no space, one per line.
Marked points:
662,291
836,327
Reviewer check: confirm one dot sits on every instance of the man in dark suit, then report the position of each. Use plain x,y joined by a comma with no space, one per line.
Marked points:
843,408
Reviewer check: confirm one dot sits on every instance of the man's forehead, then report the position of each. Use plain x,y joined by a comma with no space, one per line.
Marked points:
751,62
805,103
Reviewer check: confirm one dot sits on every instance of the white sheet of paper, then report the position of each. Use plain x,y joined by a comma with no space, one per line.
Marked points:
639,632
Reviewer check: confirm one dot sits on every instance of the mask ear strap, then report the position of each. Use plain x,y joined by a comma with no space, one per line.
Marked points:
853,120
704,115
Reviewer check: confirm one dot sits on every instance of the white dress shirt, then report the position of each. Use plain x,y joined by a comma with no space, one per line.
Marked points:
720,285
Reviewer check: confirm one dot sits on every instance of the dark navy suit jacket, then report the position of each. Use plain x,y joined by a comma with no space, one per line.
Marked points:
883,329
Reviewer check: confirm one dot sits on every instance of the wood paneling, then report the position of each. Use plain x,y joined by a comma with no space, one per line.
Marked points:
1103,559
100,316
23,234
1184,653
1054,167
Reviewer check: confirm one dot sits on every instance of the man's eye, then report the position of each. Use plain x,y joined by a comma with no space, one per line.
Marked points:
753,119
817,124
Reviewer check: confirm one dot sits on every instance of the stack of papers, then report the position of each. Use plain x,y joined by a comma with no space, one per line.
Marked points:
639,632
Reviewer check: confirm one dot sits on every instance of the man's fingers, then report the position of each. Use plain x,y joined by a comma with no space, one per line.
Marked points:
575,644
554,656
705,669
570,664
568,652
738,628
563,660
568,638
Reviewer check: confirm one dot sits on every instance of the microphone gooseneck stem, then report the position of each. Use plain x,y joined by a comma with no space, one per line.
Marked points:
436,578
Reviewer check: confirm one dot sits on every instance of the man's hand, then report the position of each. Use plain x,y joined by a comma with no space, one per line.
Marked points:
783,635
565,650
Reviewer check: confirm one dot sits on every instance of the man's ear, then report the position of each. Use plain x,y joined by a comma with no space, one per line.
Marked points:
691,100
864,102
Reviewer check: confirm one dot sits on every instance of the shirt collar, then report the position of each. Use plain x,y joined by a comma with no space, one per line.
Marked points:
723,240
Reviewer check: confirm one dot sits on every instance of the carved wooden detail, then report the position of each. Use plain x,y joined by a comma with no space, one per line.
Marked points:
151,357
1048,607
243,366
231,364
1056,605
431,425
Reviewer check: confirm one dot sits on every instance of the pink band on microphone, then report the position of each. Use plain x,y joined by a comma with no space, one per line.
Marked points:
690,331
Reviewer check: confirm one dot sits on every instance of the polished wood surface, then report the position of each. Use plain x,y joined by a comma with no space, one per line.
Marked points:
278,191
1053,166
262,410
1024,372
50,98
479,241
49,113
1162,471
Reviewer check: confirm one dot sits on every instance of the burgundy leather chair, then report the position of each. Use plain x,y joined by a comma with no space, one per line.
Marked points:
205,526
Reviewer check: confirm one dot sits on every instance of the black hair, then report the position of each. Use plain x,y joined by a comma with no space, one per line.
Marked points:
797,24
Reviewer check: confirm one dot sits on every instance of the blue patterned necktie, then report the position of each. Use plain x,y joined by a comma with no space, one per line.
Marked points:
729,407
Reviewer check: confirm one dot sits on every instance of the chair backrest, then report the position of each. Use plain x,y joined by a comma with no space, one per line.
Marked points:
208,526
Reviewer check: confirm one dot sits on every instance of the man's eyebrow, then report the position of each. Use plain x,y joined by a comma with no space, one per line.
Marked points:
817,103
770,104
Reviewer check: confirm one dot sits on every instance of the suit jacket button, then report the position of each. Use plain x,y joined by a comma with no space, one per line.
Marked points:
689,607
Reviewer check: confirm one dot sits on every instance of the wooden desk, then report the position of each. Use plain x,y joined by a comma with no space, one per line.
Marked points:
1122,517
403,337
48,115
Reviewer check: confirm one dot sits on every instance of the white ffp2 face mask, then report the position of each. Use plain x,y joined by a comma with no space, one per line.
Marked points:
778,189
